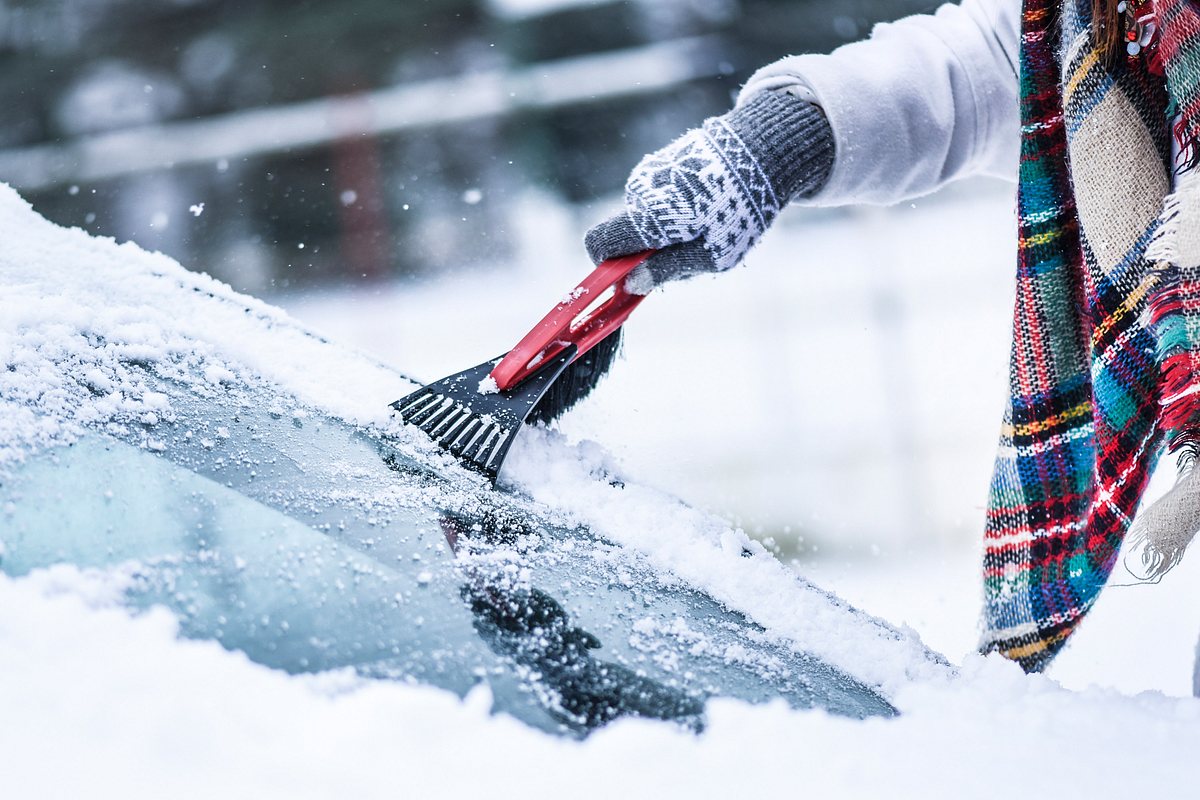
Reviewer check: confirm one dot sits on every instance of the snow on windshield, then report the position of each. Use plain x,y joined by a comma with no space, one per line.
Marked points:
143,714
85,316
81,318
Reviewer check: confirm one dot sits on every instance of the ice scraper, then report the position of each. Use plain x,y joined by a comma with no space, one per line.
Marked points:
475,414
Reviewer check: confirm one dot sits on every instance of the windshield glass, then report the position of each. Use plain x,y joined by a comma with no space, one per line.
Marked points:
311,545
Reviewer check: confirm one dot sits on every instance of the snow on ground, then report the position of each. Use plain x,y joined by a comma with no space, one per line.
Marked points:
100,703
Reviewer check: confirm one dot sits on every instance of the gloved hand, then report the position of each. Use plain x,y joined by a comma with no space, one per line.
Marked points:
705,199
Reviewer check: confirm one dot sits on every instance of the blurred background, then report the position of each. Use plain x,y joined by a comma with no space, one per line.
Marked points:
370,130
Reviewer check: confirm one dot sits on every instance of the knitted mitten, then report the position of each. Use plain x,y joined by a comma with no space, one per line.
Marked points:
705,199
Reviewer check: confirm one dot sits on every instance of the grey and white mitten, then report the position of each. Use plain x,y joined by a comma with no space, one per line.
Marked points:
705,199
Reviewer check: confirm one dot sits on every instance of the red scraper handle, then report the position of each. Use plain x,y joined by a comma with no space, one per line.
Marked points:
575,320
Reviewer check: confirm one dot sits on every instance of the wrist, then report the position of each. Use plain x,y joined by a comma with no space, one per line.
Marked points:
790,138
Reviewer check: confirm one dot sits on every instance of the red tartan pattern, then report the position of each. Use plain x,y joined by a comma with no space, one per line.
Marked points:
1175,311
1083,429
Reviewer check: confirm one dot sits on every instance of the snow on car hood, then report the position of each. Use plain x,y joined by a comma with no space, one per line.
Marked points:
80,318
83,317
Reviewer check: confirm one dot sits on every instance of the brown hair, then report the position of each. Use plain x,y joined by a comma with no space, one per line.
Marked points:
1106,30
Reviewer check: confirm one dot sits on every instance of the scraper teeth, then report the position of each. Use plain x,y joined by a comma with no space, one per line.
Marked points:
415,404
434,423
450,423
489,463
490,445
472,452
469,447
460,442
428,411
473,425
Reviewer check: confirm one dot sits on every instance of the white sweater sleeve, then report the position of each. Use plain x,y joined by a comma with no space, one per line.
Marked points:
924,101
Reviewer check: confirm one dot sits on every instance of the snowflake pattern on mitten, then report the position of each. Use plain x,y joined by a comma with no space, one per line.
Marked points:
704,185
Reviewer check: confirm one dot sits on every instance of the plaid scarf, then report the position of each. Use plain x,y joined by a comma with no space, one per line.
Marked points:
1105,363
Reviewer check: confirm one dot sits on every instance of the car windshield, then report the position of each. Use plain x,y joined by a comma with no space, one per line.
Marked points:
310,545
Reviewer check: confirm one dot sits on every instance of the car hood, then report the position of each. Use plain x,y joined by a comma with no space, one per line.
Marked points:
104,342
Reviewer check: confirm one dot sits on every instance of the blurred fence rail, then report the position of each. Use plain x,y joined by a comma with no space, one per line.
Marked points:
317,123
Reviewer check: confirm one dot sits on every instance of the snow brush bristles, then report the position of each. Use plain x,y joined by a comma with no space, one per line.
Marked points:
577,381
475,414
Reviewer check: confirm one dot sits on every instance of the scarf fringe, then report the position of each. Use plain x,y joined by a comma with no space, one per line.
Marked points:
1164,244
1175,251
1162,532
1179,380
1176,242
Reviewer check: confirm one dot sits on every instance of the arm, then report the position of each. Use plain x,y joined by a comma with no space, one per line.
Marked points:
924,101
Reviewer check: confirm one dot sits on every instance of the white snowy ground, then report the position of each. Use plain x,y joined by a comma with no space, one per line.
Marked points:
97,703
